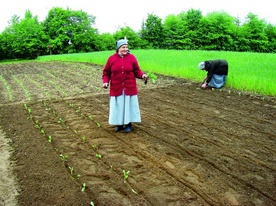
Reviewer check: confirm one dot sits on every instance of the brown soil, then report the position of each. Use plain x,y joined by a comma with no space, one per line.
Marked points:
193,147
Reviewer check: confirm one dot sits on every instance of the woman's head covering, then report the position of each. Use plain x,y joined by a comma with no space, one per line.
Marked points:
120,42
201,65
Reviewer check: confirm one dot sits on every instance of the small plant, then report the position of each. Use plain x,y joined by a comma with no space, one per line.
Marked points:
37,125
98,124
50,139
60,120
126,174
78,110
92,203
152,77
83,187
134,191
83,138
98,155
63,157
71,170
42,132
30,117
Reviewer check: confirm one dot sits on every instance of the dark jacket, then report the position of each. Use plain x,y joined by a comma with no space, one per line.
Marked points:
219,66
121,73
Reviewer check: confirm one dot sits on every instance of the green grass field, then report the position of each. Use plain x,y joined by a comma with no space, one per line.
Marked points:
252,72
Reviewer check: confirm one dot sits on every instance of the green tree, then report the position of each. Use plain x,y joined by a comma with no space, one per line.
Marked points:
254,32
152,31
133,38
24,38
105,42
270,31
216,31
192,19
174,30
70,31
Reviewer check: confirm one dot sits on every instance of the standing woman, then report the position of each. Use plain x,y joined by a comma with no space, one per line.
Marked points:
120,73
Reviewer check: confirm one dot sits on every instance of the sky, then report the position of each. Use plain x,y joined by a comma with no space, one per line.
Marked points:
112,14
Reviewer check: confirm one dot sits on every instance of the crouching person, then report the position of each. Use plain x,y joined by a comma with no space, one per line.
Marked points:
217,72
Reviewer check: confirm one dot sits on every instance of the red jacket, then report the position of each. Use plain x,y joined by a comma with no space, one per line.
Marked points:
121,73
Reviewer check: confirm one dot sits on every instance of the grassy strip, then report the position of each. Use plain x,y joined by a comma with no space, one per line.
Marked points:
254,72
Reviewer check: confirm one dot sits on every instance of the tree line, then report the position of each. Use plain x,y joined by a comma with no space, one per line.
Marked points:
67,31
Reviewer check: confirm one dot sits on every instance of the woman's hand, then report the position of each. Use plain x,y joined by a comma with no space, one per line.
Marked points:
204,85
105,85
145,77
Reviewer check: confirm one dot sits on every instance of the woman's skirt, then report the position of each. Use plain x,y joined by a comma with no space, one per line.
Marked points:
124,109
217,81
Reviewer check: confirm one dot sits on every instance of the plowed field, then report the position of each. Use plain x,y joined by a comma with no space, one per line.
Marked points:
193,147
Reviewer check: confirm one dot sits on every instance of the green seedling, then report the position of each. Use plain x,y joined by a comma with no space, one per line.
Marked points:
78,176
63,157
78,110
90,117
71,170
152,77
42,132
75,131
98,155
134,191
126,174
98,124
30,117
60,120
83,138
83,187
50,139
92,203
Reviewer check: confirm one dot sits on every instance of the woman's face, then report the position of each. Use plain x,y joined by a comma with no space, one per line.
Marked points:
123,49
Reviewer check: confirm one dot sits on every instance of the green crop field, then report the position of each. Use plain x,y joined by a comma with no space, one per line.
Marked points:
253,72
